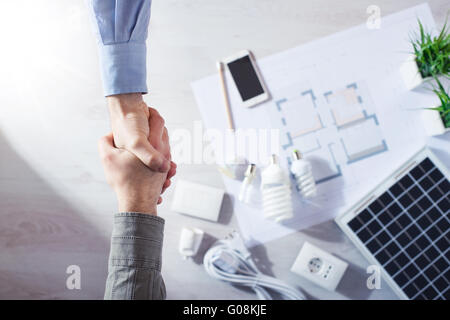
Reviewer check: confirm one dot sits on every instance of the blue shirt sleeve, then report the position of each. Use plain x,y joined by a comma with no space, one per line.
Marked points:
121,27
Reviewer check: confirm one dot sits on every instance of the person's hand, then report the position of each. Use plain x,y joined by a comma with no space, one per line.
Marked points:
137,187
159,139
132,125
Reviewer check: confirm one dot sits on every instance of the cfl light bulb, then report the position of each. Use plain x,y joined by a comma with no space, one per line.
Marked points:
276,192
304,179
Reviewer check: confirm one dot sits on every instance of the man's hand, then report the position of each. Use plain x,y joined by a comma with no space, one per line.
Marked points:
136,186
139,129
130,126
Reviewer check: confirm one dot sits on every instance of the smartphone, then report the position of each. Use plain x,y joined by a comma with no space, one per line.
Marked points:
247,78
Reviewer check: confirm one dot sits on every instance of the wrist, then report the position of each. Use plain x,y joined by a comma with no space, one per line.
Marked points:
137,206
124,103
131,200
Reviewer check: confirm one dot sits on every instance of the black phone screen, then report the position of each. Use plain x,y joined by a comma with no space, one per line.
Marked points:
245,77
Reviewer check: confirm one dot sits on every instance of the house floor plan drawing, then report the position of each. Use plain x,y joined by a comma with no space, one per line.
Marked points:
338,126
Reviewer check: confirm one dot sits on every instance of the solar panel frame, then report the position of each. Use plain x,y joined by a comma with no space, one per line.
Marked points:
388,194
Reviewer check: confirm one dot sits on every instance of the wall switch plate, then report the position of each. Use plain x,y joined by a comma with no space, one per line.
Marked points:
319,266
197,200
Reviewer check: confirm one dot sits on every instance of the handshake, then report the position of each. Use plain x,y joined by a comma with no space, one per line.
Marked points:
136,154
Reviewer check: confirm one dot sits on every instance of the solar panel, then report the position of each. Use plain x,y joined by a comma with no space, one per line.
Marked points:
405,227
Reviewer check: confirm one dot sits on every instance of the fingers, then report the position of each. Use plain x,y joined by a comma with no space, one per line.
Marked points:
148,151
156,125
165,144
172,170
166,184
106,146
151,157
170,174
165,136
173,166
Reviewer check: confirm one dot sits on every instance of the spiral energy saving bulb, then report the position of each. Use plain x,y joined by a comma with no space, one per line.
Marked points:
302,171
276,192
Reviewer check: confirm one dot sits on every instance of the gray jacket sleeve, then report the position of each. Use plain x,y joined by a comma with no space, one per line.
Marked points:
134,268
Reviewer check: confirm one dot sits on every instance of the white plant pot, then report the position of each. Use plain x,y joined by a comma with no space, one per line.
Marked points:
433,123
411,74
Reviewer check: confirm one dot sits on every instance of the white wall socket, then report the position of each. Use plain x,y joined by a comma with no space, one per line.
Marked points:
319,266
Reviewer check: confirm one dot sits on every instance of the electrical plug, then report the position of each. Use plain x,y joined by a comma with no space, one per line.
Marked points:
235,242
226,262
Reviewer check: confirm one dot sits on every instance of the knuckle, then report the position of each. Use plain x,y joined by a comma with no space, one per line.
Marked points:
135,143
155,162
102,140
107,158
152,161
160,120
101,146
152,110
118,143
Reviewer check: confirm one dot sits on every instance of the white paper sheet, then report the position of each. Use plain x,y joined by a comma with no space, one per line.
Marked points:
342,102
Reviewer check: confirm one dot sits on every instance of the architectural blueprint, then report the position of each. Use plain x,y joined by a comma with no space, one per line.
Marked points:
342,103
339,126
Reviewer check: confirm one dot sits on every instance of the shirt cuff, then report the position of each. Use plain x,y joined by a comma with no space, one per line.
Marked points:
124,67
137,240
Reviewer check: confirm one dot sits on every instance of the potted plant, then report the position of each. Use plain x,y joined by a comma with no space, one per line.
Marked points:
430,58
437,119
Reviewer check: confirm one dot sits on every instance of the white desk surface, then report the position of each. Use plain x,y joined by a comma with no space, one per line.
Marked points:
55,206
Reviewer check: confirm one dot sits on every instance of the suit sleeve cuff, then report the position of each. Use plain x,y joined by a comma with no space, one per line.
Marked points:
124,68
137,240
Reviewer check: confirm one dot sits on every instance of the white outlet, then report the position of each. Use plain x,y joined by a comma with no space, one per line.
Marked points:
319,266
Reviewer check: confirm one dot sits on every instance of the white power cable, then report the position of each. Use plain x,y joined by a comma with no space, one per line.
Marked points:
229,260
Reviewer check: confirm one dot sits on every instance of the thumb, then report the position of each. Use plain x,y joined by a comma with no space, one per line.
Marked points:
106,145
151,157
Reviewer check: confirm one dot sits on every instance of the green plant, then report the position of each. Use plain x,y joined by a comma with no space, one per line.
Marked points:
444,108
432,53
